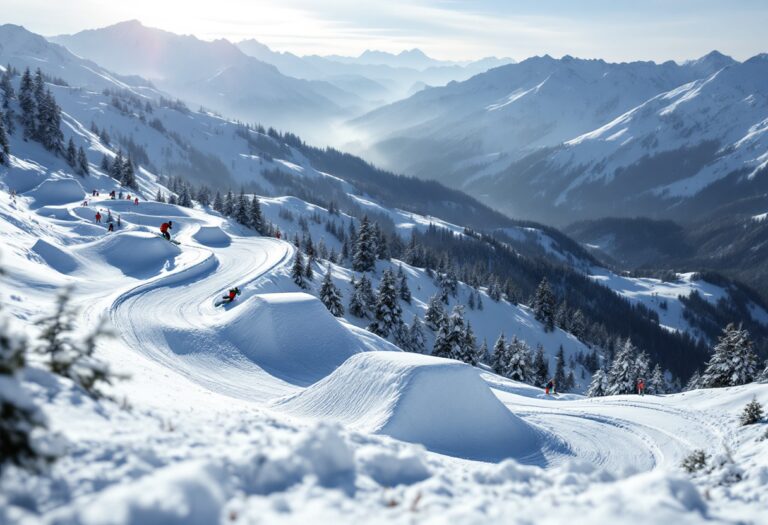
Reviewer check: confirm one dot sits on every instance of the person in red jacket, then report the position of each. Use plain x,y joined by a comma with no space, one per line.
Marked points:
98,216
164,230
641,386
136,201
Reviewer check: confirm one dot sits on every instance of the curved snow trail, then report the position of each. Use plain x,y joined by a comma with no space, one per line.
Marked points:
620,434
170,319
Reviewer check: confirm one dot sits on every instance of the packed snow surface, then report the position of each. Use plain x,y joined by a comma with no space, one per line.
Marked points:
405,396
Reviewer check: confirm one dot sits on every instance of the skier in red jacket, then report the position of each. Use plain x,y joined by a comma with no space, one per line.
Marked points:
98,217
164,230
641,386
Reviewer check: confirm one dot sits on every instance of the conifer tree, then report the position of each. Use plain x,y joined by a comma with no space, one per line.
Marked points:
297,271
435,314
518,365
28,106
621,376
331,296
71,153
656,384
540,367
642,366
402,285
82,162
185,198
255,217
5,149
308,271
733,361
694,382
159,197
49,123
416,336
362,301
560,377
116,167
364,257
8,95
450,340
218,203
203,195
128,178
229,204
241,209
598,387
482,353
544,305
106,166
499,356
387,313
20,418
469,346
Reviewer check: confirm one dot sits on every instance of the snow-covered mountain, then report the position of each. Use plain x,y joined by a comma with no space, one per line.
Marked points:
567,139
214,74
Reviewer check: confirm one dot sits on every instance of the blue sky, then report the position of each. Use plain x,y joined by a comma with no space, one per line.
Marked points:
617,30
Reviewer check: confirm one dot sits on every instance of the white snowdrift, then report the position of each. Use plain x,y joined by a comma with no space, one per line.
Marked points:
290,335
440,403
55,257
212,236
135,254
57,191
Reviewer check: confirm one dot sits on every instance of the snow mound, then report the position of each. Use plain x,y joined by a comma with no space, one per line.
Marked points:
440,403
212,236
290,335
55,257
136,254
57,191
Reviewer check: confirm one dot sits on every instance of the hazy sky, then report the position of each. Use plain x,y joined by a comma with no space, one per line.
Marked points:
449,29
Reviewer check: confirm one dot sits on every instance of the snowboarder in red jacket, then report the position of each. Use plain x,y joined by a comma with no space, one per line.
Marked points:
164,230
233,292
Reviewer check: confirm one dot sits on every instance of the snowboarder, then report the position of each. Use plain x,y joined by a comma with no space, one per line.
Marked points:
641,386
136,201
112,194
164,230
119,222
233,292
111,227
98,217
120,195
550,387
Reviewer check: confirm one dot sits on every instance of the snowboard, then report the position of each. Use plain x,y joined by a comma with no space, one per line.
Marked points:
174,241
222,302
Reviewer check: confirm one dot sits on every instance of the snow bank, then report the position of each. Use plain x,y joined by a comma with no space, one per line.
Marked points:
136,254
55,257
440,403
212,236
57,191
290,335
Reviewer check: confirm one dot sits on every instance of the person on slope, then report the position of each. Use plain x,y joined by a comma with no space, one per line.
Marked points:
136,201
164,230
111,227
641,386
550,387
98,217
233,292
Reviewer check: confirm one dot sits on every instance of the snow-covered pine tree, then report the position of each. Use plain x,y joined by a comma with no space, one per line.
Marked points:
218,203
28,106
387,312
106,165
402,285
471,300
479,301
5,149
69,356
498,358
309,272
203,195
401,337
544,305
82,162
364,257
70,155
361,304
450,338
49,123
657,383
570,382
128,179
331,296
540,367
621,376
578,324
20,418
255,217
642,366
482,353
229,204
694,382
382,250
297,270
599,385
563,316
435,314
6,85
560,377
159,197
469,346
416,336
518,365
185,196
733,361
241,209
116,167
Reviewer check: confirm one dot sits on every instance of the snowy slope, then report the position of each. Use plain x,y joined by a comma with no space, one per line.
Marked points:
204,432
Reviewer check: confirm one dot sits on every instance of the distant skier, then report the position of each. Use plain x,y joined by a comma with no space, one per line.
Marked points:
136,201
641,386
120,195
233,292
164,230
98,217
119,222
550,387
111,227
112,194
